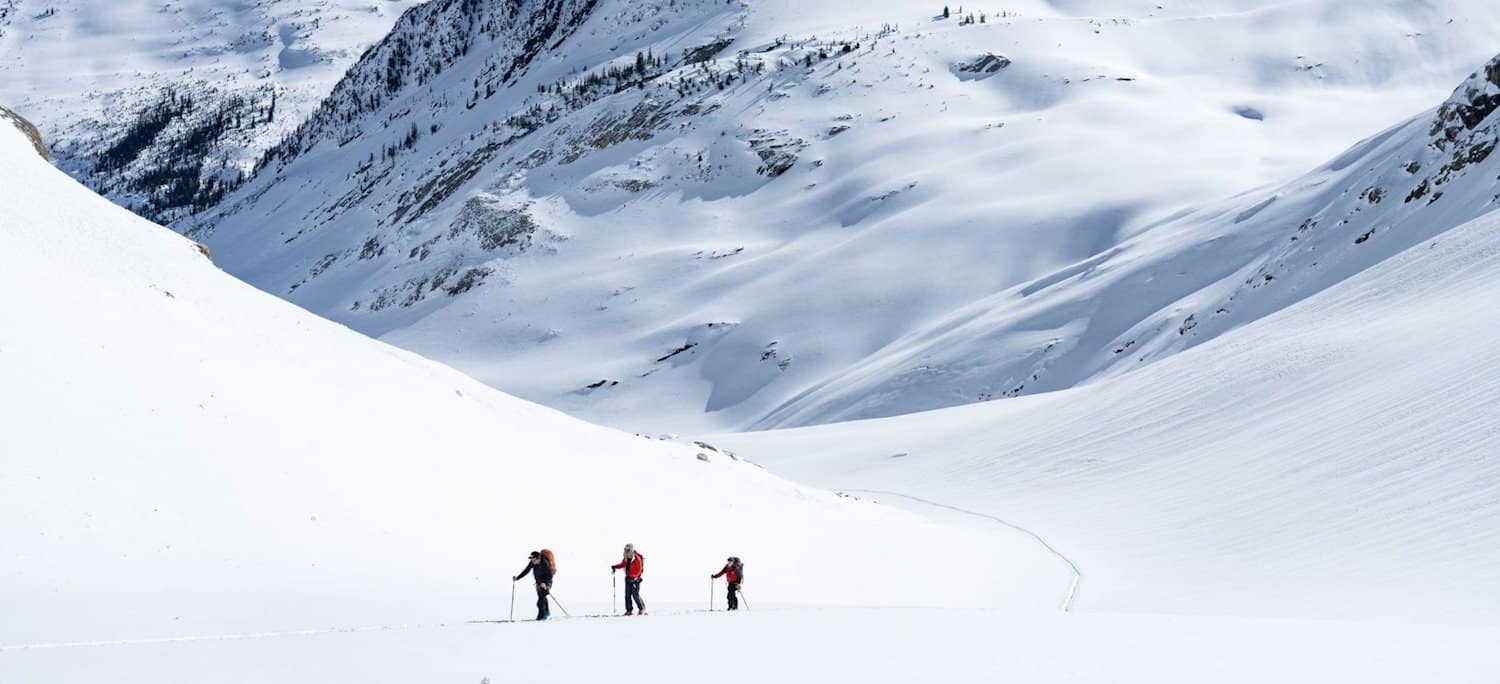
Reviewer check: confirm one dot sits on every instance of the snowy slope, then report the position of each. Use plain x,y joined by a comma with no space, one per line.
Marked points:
161,105
1180,282
186,455
1335,459
781,215
881,646
220,487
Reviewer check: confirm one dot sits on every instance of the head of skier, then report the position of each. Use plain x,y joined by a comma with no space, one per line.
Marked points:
630,550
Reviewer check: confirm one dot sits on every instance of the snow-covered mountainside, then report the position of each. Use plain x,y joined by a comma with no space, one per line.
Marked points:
1334,459
187,455
706,214
1180,282
163,105
202,482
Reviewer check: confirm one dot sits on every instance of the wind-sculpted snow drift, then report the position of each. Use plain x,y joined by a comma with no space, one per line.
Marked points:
185,455
698,213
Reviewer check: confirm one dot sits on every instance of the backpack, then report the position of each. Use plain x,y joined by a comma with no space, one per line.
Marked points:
739,569
551,560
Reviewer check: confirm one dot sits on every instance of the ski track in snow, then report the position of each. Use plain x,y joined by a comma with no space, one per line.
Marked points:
1067,602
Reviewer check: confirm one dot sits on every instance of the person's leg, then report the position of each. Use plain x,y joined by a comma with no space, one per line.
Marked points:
633,596
734,599
543,610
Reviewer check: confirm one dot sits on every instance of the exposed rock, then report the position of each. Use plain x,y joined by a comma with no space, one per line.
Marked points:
471,279
981,67
1474,101
1465,128
988,63
777,155
703,53
496,227
1248,112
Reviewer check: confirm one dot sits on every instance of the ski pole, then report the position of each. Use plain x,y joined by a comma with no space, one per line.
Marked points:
612,591
512,599
559,604
710,594
742,598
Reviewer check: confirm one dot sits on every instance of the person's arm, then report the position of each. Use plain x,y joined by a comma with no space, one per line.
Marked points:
525,572
618,565
720,573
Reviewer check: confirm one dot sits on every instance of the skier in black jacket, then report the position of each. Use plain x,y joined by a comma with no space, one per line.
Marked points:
541,570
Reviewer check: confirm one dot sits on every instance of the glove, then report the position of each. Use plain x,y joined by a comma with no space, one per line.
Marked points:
513,578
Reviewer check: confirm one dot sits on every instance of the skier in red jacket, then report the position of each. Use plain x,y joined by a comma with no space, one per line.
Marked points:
634,565
733,573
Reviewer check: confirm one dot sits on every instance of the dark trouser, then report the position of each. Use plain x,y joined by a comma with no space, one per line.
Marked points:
633,593
543,611
734,595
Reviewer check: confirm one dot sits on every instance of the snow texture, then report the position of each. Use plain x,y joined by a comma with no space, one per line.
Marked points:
1331,460
704,215
186,455
162,106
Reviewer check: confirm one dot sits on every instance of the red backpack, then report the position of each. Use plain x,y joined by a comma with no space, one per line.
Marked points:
551,560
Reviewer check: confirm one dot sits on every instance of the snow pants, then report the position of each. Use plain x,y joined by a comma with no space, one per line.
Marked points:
734,596
633,593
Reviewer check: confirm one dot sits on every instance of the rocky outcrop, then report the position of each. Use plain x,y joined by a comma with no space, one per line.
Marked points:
1471,104
1465,129
981,67
27,128
425,43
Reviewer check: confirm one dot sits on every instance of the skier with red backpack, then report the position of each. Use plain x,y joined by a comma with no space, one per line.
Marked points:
542,565
634,565
733,574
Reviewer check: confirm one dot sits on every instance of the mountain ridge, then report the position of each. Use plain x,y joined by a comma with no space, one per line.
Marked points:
164,107
685,215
